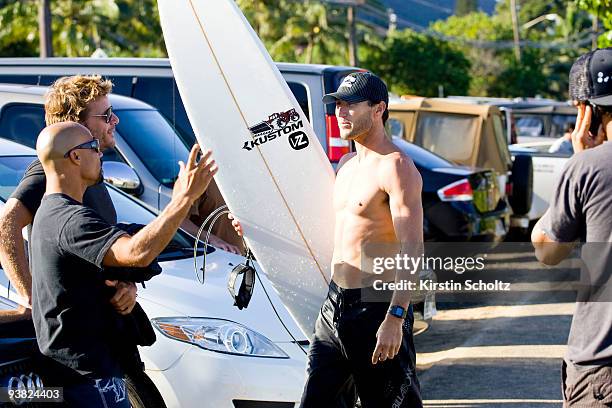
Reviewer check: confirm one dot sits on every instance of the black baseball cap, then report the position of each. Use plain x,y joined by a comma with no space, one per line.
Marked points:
591,77
358,87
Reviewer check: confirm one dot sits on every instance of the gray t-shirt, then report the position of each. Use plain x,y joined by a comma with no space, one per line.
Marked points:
581,209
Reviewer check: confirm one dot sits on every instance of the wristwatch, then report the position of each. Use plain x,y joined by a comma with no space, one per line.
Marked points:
398,311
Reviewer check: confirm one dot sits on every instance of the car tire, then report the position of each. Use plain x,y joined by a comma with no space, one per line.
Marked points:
142,393
522,184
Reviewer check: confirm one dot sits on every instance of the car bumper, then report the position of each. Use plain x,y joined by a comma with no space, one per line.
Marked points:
459,221
201,378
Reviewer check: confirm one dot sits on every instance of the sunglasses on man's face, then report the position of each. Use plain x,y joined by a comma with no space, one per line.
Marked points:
92,144
107,115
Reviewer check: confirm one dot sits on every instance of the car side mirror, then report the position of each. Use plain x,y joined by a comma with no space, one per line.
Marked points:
123,177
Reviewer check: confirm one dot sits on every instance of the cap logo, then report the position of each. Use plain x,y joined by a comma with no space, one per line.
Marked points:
600,77
348,81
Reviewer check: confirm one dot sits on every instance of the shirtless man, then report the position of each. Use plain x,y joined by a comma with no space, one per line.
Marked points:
366,348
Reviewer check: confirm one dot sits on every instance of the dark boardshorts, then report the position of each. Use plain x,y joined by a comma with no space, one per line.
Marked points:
590,388
340,357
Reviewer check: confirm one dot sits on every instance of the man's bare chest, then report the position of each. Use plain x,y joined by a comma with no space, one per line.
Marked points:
358,190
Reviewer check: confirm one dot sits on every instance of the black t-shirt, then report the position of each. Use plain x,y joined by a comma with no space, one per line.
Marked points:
72,315
32,187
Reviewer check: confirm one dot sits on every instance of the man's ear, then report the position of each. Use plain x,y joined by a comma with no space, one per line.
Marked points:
74,156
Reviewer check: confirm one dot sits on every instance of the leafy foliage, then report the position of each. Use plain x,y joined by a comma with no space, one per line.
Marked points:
602,9
416,64
79,27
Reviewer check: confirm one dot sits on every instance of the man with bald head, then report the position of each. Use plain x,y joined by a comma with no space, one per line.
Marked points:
71,244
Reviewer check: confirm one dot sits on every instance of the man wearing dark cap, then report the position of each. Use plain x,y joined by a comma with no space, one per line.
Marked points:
366,348
581,210
362,344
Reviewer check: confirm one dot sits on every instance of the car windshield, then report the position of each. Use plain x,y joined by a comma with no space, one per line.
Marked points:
128,210
448,135
155,142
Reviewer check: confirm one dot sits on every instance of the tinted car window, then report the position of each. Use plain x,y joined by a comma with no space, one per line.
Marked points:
447,135
154,141
22,123
301,94
19,79
164,95
11,172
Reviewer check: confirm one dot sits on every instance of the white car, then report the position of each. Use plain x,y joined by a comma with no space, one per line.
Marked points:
547,168
208,353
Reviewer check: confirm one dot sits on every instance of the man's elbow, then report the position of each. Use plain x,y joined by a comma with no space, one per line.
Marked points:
545,255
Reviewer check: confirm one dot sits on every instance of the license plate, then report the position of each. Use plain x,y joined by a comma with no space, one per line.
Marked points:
429,311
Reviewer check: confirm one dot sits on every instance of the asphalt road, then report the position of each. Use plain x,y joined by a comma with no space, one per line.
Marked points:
504,351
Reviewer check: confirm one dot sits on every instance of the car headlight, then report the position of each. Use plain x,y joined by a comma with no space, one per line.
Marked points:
219,335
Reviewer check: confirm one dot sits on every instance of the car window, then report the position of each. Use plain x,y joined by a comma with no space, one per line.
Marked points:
164,95
448,135
395,128
154,141
11,172
301,94
19,79
22,123
130,211
530,126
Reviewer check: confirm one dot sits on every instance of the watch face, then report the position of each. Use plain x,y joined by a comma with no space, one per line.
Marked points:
397,311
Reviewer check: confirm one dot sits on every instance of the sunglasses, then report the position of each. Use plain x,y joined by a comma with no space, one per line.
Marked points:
92,144
107,115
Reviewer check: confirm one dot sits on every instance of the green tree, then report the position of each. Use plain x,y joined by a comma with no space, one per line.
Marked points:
417,64
602,9
18,29
468,31
79,27
463,7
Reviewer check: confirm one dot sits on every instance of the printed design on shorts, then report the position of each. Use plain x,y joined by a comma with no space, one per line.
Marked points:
402,391
601,78
277,125
116,385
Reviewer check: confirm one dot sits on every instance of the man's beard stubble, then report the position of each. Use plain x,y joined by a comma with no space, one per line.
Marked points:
358,128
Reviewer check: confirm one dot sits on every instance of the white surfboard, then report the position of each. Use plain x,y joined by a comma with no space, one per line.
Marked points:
273,172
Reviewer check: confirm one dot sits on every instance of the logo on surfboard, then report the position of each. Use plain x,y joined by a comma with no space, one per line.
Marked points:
277,125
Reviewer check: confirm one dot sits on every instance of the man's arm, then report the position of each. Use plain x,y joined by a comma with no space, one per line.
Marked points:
547,250
142,248
402,182
12,250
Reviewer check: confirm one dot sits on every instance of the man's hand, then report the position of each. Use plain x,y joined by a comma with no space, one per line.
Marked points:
582,139
193,178
389,339
125,296
221,244
236,224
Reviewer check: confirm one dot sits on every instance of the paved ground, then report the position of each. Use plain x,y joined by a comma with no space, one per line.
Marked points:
500,352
